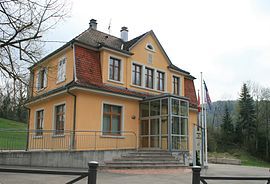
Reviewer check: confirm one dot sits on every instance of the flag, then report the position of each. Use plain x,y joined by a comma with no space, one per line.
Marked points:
207,97
199,105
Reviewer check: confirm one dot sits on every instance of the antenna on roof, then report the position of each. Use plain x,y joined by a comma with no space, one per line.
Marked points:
109,27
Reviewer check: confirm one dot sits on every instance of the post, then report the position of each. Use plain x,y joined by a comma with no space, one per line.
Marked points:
196,174
92,172
194,146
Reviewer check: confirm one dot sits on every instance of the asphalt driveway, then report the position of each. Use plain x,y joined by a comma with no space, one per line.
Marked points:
144,176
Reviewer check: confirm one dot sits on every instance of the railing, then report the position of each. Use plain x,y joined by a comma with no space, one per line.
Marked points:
91,173
65,140
197,178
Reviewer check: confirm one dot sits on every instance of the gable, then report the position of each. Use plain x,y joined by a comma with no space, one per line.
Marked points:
141,51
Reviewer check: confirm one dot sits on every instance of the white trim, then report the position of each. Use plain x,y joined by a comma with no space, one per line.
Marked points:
118,82
131,73
121,69
151,50
45,78
53,118
113,136
107,93
35,121
46,97
154,78
179,85
74,63
64,69
122,117
117,52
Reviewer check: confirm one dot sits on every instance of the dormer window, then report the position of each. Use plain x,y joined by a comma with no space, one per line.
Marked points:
115,69
150,47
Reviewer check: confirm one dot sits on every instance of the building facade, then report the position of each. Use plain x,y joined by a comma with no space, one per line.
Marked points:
102,92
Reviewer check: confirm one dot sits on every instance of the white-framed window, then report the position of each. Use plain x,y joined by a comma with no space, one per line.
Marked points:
136,74
59,119
176,85
115,69
112,119
149,78
150,47
160,81
41,81
39,122
61,71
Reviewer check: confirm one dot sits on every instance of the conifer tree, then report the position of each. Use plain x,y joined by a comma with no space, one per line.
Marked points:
227,128
247,117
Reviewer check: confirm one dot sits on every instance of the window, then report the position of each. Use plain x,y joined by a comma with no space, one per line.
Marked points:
115,66
149,77
39,122
137,74
61,73
111,119
176,85
150,47
59,119
41,79
160,80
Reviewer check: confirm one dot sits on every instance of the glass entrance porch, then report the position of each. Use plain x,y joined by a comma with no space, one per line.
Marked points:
164,123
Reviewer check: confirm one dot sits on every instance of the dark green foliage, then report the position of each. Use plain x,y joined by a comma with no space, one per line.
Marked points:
227,129
246,119
241,125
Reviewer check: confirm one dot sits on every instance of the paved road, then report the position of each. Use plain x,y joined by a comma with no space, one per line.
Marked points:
158,176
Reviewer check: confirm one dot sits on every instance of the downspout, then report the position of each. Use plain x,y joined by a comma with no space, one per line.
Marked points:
30,93
27,133
74,101
74,119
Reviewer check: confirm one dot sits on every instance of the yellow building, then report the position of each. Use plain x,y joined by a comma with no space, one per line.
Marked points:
100,92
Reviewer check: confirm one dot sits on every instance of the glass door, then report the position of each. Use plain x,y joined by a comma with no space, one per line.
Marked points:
150,133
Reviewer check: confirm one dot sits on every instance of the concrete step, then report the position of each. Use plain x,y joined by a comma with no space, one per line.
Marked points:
149,153
144,166
148,156
145,159
141,163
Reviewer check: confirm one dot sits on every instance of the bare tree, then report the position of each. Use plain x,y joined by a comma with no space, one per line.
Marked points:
22,26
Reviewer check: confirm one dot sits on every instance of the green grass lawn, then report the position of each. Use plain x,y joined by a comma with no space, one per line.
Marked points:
246,158
11,139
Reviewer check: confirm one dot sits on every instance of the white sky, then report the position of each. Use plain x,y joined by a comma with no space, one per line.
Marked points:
227,40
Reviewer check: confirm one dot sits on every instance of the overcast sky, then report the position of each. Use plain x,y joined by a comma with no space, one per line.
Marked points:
227,40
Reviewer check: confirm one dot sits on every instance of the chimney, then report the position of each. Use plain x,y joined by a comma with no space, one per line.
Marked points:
93,24
124,33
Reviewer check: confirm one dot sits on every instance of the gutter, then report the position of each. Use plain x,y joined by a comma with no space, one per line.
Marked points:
72,146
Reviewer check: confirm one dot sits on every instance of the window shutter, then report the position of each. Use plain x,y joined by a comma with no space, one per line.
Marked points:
59,72
38,80
45,77
64,69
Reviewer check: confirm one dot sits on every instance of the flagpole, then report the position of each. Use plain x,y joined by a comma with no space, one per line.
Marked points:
206,153
202,122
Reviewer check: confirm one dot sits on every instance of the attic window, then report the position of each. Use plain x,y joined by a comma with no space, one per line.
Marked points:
150,47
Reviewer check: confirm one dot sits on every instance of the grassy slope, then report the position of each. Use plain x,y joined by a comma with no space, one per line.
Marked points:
10,139
246,158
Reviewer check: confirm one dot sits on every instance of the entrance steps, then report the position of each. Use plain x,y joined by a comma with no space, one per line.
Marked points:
148,159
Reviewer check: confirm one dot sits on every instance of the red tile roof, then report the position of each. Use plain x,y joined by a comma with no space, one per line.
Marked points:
190,92
88,73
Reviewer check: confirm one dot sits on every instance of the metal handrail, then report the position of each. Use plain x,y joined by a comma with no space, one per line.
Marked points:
84,139
91,173
197,178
